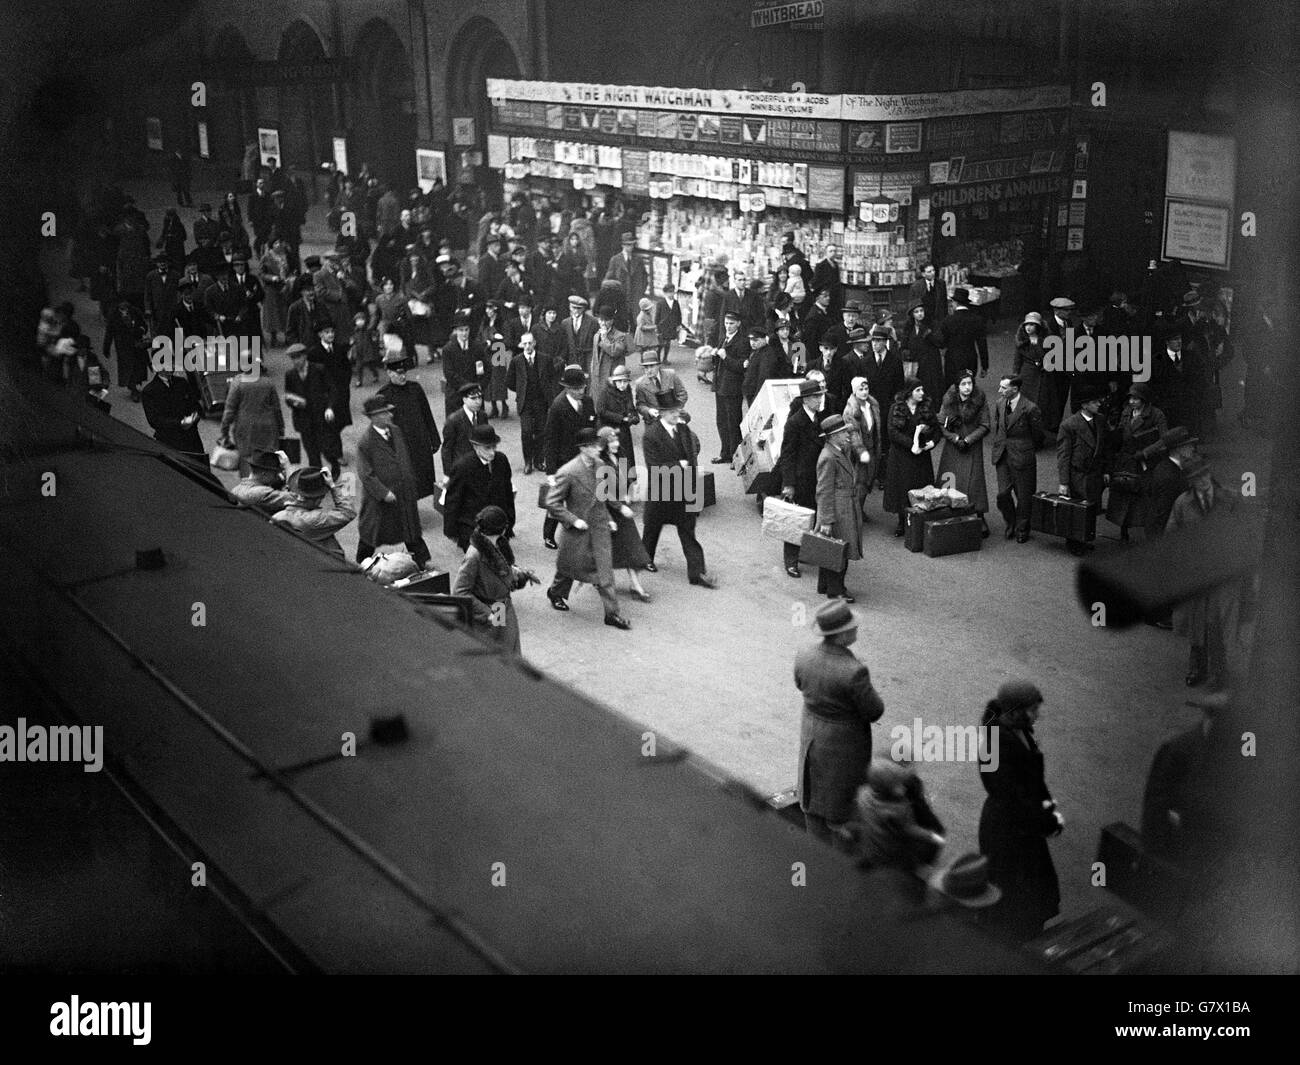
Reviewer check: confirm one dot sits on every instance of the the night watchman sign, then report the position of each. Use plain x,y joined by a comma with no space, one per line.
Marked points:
769,14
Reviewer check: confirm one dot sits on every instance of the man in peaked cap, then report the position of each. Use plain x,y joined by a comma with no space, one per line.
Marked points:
389,505
673,487
456,429
413,415
579,332
839,706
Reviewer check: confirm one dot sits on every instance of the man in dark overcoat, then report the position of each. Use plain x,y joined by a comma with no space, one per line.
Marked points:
478,480
1017,435
389,505
729,384
464,362
311,396
1081,453
839,706
801,444
570,412
456,430
672,453
964,337
171,407
533,378
412,414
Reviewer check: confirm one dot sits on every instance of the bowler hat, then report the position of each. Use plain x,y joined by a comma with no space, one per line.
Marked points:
573,377
966,881
376,405
587,436
756,334
483,434
811,388
834,424
264,460
961,296
667,400
835,617
470,388
492,520
308,482
1017,694
1088,393
461,318
1179,436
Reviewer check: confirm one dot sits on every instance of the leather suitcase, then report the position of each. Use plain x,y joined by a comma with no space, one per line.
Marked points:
1057,515
708,488
786,522
953,536
823,551
917,520
1144,880
421,584
1104,942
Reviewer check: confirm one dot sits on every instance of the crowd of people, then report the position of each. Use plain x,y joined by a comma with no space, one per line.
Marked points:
556,316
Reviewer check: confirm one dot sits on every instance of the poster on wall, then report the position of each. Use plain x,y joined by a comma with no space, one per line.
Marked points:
498,150
1197,233
268,145
430,164
202,130
462,131
902,137
826,188
340,146
1201,167
153,133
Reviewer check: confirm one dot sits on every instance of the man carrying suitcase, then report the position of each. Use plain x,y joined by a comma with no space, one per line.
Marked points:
1080,456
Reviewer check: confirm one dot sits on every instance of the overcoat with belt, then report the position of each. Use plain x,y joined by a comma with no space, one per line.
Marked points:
586,555
384,466
837,498
839,705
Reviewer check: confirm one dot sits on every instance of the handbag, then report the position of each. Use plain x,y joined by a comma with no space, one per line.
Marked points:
824,551
224,458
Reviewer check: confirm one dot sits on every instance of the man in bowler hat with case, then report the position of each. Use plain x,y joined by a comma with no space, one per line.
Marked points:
389,504
671,455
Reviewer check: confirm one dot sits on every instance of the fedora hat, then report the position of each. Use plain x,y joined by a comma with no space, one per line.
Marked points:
853,306
667,400
1197,466
834,424
650,356
967,881
376,405
621,373
811,388
858,335
573,377
397,359
1179,436
308,482
835,617
627,238
264,460
587,437
881,332
1192,298
483,434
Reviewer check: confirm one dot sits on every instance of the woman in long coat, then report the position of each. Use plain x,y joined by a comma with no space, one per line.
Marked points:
273,269
253,418
571,268
919,346
616,409
488,575
838,512
913,432
1036,384
966,421
1140,426
1019,814
230,216
497,393
629,551
862,412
